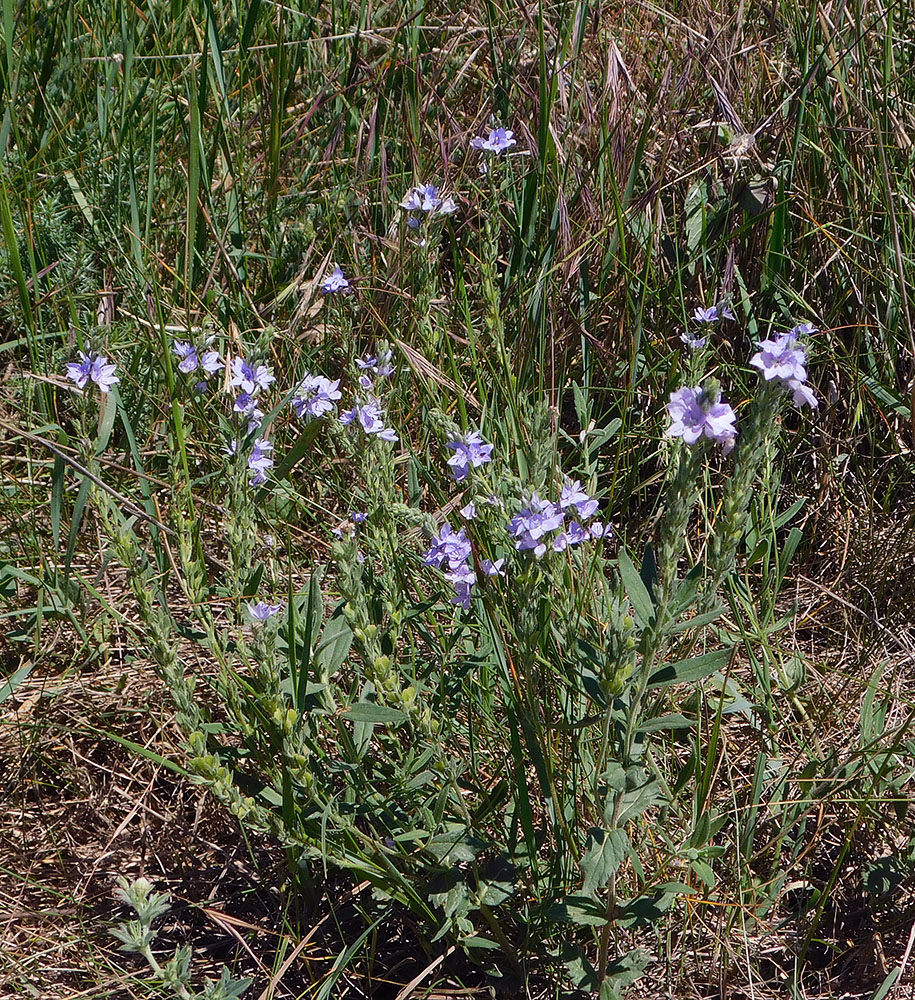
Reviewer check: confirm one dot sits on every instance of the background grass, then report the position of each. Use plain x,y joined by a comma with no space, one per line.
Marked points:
172,166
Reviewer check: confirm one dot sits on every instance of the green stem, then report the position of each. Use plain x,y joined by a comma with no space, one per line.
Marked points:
158,972
758,431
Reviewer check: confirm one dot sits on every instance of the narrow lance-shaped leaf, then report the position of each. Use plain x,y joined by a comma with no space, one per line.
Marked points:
635,588
696,668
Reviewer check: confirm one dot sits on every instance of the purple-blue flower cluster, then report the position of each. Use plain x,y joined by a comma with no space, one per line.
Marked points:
317,395
451,552
208,362
369,415
784,359
695,413
542,524
95,368
470,451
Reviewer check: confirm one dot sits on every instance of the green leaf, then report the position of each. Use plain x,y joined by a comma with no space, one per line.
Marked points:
605,853
367,711
580,910
481,942
581,972
76,521
672,720
251,19
57,499
109,410
12,243
454,899
252,584
635,589
649,569
884,988
704,871
755,195
694,208
497,882
623,972
782,519
141,751
696,668
455,845
646,910
685,592
303,445
9,686
334,646
885,397
697,621
638,797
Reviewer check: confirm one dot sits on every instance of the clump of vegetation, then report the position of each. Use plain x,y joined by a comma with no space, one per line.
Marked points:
461,432
138,935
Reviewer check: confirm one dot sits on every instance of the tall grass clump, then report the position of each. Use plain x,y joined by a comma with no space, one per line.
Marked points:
446,395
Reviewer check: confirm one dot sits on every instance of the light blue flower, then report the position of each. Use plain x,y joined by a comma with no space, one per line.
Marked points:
694,414
693,342
191,359
317,396
449,546
92,368
250,377
491,568
573,495
334,282
802,394
713,313
261,611
421,198
530,525
259,461
211,362
470,451
188,354
783,358
370,417
497,142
